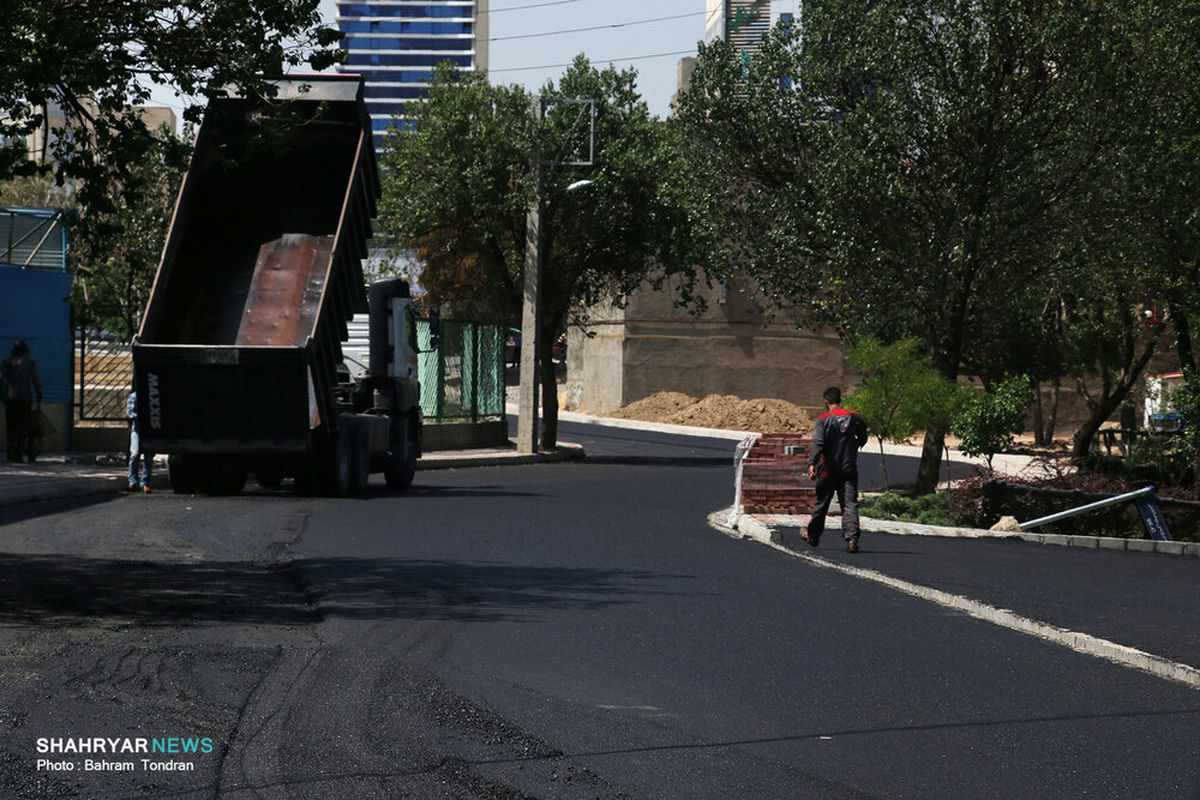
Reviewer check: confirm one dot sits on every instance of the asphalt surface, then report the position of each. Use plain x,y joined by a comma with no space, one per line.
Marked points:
1142,600
570,630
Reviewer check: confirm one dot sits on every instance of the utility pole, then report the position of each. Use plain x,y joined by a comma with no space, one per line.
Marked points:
531,311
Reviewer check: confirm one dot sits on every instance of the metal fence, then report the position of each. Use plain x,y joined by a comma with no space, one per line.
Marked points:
103,376
462,380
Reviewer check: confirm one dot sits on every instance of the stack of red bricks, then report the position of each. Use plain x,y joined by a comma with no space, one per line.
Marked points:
775,476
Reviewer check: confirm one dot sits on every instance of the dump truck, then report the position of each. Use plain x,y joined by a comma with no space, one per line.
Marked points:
238,364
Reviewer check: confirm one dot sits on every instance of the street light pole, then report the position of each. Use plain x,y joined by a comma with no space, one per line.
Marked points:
531,310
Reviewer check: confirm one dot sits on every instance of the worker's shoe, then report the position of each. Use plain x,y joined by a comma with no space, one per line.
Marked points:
852,545
133,487
813,541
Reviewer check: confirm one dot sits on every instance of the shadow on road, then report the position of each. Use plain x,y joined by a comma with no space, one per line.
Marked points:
19,512
72,591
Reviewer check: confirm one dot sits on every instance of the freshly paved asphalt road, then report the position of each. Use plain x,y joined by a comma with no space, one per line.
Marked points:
573,630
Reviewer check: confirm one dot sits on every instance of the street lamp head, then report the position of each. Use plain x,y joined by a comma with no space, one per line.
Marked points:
579,185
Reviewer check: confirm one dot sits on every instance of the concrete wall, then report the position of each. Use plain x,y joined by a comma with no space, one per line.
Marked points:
650,346
624,354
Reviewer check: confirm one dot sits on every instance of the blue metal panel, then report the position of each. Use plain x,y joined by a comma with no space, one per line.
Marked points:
35,306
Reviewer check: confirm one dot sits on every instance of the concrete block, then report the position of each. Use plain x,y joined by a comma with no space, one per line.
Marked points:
1112,543
1090,542
1171,548
1140,545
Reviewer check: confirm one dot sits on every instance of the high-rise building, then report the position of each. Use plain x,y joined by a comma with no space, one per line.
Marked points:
744,22
395,45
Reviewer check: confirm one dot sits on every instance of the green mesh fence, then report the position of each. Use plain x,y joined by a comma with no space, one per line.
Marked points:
463,379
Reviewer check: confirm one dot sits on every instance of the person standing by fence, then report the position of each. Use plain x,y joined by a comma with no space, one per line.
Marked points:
20,384
141,465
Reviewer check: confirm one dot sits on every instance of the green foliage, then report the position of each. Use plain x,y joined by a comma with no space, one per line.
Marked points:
987,421
925,509
900,394
1187,402
116,249
957,172
94,61
457,187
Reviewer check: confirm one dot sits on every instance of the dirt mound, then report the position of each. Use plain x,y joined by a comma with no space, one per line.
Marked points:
763,415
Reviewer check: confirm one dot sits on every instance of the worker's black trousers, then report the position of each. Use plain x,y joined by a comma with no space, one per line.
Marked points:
845,486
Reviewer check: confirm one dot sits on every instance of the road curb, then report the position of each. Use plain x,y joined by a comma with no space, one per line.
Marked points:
1091,542
749,528
564,452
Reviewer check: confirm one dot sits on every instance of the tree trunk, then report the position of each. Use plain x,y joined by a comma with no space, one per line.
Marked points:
883,465
1053,412
1113,396
1183,341
1039,436
549,392
931,462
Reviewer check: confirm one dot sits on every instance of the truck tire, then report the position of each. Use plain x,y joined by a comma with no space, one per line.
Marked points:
401,471
184,474
360,471
269,477
343,461
221,477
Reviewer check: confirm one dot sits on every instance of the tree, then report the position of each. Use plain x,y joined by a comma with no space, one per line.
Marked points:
93,61
900,392
986,421
115,251
457,187
34,191
934,150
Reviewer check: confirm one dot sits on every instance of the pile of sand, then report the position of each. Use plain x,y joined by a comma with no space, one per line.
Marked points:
764,415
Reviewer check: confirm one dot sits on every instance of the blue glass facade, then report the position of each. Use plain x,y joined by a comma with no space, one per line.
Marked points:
395,45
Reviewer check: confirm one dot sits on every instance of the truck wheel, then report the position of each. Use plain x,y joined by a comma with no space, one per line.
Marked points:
343,461
269,477
222,478
361,461
401,471
184,474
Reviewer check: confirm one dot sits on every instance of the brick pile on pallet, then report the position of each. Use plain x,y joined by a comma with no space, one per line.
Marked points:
774,480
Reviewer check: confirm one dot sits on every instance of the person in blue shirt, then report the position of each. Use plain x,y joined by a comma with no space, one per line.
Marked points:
141,465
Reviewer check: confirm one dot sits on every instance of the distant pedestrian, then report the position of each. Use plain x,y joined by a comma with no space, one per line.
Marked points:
833,462
19,385
141,464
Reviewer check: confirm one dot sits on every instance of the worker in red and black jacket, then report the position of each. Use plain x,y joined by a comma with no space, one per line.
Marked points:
833,463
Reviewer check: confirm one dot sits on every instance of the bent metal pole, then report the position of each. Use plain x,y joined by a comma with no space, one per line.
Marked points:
1111,501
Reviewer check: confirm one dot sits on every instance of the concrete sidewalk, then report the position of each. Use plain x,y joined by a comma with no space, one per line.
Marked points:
56,476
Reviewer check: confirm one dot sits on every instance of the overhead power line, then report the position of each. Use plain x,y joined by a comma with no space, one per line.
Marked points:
595,27
599,60
531,5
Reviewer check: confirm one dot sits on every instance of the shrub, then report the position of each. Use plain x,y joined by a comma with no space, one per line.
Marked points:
971,504
986,421
926,509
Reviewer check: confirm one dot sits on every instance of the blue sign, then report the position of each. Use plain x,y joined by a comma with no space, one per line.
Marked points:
1152,518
